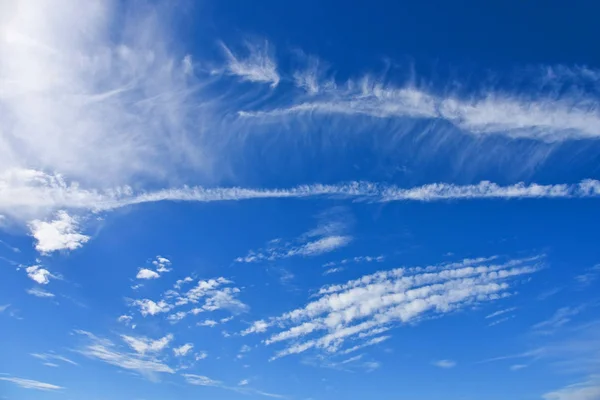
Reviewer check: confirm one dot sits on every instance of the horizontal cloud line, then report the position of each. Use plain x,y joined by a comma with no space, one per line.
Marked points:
30,194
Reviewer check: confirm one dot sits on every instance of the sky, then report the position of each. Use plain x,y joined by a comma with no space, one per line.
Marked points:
299,200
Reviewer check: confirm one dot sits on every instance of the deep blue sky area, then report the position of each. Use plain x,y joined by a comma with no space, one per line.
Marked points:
299,200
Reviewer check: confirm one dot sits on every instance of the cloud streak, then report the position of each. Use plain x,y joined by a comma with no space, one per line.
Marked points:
27,193
358,309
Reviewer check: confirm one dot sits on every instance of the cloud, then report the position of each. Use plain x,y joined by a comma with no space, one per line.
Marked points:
161,265
323,245
182,350
39,274
77,100
357,260
587,390
30,384
257,67
149,307
500,312
328,236
180,282
37,292
58,234
547,117
4,307
208,322
517,367
52,356
125,319
143,345
29,193
561,317
256,327
366,306
107,351
444,364
200,380
243,382
145,273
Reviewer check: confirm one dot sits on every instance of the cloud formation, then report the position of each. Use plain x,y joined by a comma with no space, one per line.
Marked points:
58,234
359,309
30,383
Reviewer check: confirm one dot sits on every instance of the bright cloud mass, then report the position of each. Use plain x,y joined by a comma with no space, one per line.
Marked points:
268,200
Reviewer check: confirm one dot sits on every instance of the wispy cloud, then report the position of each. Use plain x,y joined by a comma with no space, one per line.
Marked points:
143,345
256,66
108,352
37,292
182,350
30,383
207,296
550,117
241,387
444,364
53,356
328,236
394,297
561,317
587,390
28,193
500,312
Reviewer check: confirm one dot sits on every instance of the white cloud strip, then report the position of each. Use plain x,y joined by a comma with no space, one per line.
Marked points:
30,383
548,118
364,307
27,193
106,351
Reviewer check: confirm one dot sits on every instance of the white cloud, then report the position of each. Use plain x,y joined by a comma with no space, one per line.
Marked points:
30,383
143,345
323,245
561,317
162,264
77,101
243,382
444,364
245,349
37,292
200,356
4,307
500,312
52,356
183,349
200,380
58,234
38,274
517,367
125,319
588,390
181,282
549,118
208,322
258,66
256,327
358,259
28,192
145,273
149,307
106,351
371,304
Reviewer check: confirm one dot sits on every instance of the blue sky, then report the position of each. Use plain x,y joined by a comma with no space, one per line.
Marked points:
299,200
